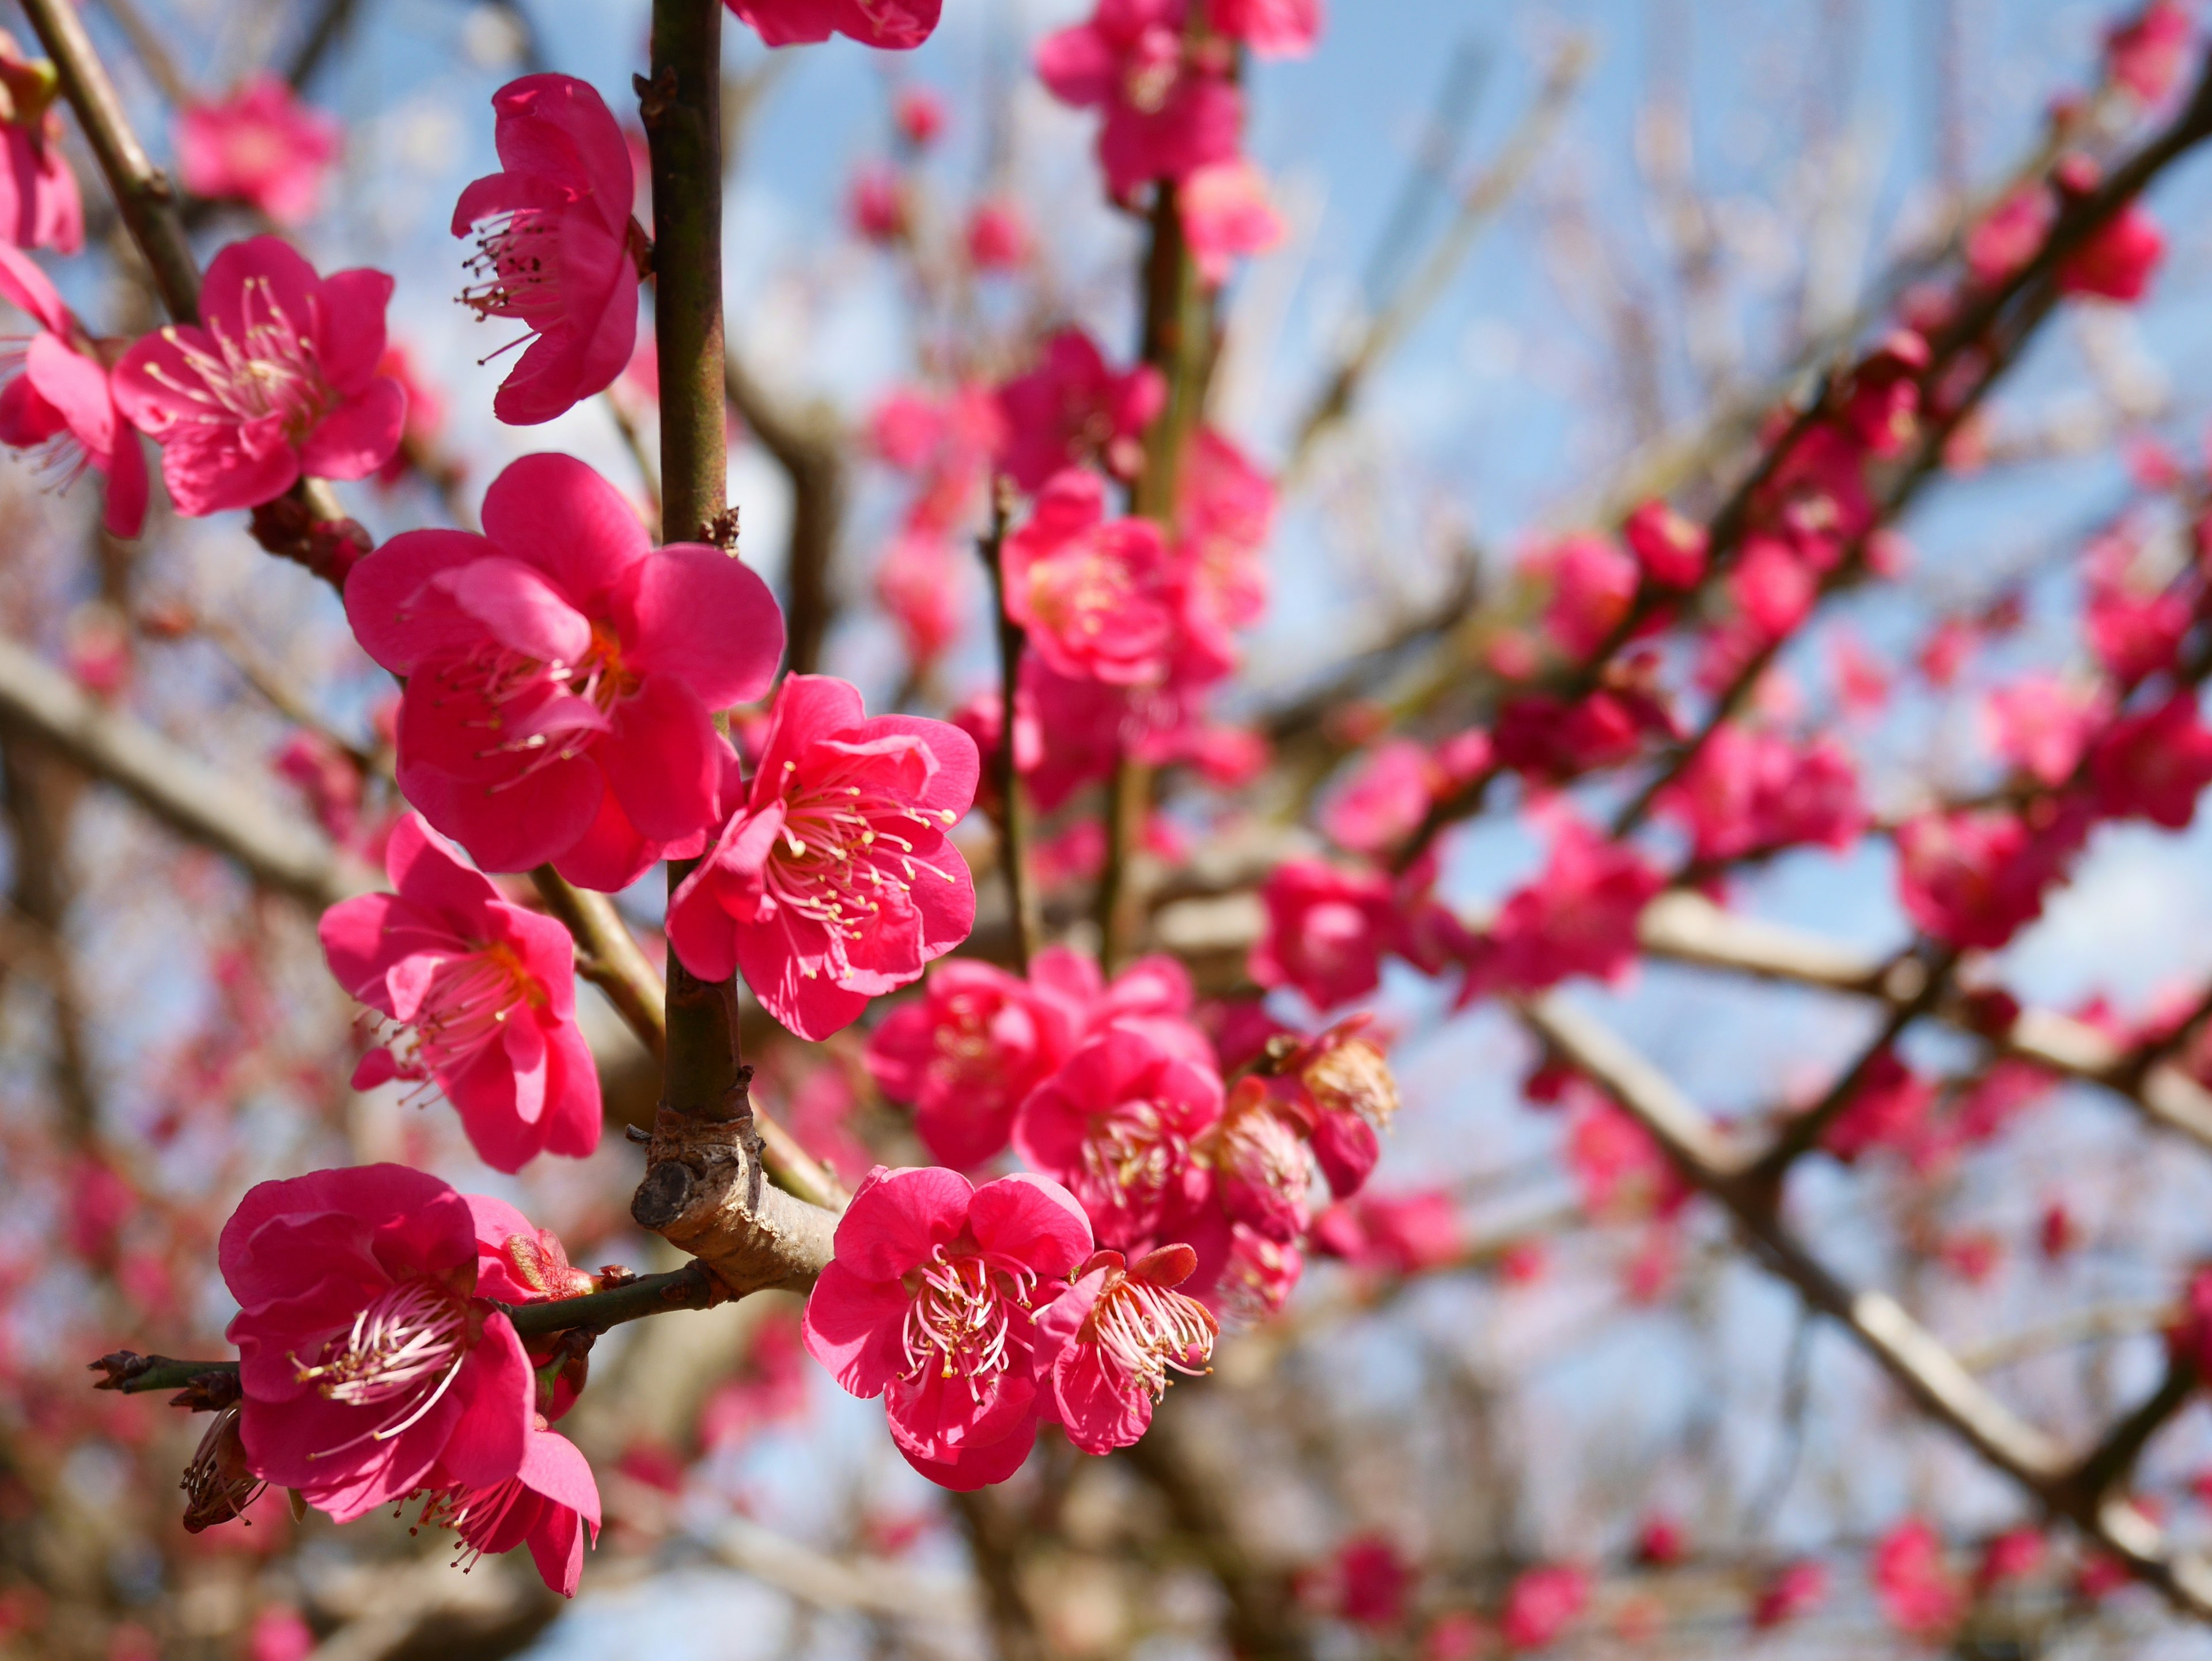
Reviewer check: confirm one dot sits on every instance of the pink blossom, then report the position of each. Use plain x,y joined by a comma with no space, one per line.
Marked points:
1975,878
2117,259
1593,583
1372,1581
1261,1169
2154,766
1072,408
975,1044
1092,592
1751,791
63,403
260,146
486,993
893,25
770,1390
918,114
1861,680
2012,1555
1272,28
1881,400
547,1505
562,673
2011,235
425,412
279,1634
2133,633
875,204
1618,1167
1341,1093
39,207
2146,54
1918,1593
1226,213
1670,548
1170,107
278,379
2042,724
1542,1603
1081,725
1543,737
999,237
1327,931
1772,587
833,882
931,1302
1383,802
1793,1592
1117,1124
1108,1347
365,1357
556,248
1407,1233
1224,514
1578,917
920,584
1889,1108
327,776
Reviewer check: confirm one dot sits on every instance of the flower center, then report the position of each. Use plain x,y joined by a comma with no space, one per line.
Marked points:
1354,1078
960,1321
515,273
1077,591
843,859
500,679
474,1514
402,1351
1145,1331
468,1002
1133,1152
1155,64
270,371
1263,1149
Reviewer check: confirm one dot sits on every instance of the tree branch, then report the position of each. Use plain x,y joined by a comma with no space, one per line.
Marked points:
807,445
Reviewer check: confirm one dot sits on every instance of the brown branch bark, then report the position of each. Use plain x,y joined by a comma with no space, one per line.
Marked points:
807,444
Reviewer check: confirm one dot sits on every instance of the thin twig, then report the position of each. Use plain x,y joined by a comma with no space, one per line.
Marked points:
1013,803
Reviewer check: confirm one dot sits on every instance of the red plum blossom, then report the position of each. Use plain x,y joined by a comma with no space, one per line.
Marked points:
894,25
260,146
1093,593
39,207
1108,1346
547,1505
1073,408
1170,106
63,402
1272,28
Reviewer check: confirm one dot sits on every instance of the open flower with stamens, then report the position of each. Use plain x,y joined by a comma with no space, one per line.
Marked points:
1343,1080
556,248
61,405
547,1504
563,673
1262,1170
276,380
39,207
365,1357
1109,1346
484,996
835,882
1097,595
1117,1124
931,1303
1074,408
893,25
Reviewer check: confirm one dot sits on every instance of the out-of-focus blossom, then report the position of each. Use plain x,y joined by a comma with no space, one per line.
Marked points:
1578,917
1919,1594
834,882
1272,28
562,673
1226,213
1327,931
918,114
1592,583
279,1634
893,25
1790,1594
920,584
1975,879
2146,53
999,237
1383,802
875,204
1407,1233
2154,766
366,1360
1224,514
1072,408
2117,259
1093,593
278,379
556,249
62,404
930,1302
1670,548
1542,1603
1889,1110
2135,630
2041,724
486,993
39,207
2012,1555
1168,104
260,146
1750,790
1108,1346
425,412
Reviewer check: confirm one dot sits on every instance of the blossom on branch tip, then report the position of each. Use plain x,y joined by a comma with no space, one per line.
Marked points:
483,993
1109,1346
1168,104
834,881
556,248
562,675
893,25
39,207
260,146
1072,408
278,379
62,404
365,1357
931,1302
